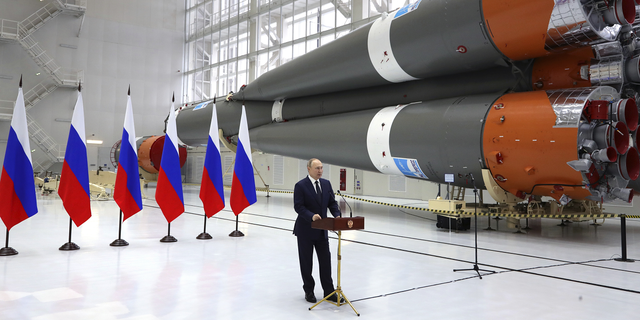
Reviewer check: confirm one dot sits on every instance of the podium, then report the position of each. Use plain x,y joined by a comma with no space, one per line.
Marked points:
338,225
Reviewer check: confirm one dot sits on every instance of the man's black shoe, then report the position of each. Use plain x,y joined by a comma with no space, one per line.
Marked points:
309,296
334,298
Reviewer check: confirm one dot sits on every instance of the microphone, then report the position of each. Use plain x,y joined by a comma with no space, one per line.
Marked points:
345,201
473,182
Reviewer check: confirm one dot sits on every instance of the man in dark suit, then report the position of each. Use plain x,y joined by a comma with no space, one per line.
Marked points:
312,196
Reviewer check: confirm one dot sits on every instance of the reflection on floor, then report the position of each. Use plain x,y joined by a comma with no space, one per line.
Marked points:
399,267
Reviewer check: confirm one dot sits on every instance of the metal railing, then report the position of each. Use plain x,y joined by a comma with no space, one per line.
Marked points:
38,18
37,93
76,5
43,140
6,110
21,31
9,29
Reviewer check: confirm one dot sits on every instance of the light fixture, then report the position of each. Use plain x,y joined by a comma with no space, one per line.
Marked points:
94,141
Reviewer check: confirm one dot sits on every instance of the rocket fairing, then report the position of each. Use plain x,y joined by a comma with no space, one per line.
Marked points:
539,93
434,38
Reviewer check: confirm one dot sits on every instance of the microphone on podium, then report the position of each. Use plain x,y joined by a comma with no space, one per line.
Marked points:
345,201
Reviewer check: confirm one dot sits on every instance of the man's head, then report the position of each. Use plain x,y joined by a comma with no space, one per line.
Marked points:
314,166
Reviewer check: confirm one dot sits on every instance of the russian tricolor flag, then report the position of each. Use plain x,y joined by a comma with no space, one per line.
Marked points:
74,179
169,188
212,188
243,186
127,192
17,187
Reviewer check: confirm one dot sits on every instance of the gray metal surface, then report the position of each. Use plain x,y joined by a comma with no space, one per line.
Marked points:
193,125
445,136
337,139
425,42
337,66
499,79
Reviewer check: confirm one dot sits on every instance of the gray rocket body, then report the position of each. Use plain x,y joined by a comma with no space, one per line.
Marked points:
426,42
440,87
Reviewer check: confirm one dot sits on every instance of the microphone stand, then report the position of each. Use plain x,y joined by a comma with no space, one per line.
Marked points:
345,201
475,265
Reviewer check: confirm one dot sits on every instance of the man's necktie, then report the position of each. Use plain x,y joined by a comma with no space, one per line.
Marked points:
318,192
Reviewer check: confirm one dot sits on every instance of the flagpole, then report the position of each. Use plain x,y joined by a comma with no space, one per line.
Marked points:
204,235
236,233
119,242
169,237
7,251
69,246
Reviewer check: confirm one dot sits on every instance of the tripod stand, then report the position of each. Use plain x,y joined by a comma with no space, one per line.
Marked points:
475,218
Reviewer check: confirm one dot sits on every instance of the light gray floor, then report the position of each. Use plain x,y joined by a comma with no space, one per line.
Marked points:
400,267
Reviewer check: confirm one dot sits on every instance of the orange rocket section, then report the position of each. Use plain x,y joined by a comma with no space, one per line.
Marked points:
523,149
518,28
562,70
150,154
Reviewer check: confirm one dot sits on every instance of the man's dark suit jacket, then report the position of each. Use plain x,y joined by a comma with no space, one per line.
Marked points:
306,205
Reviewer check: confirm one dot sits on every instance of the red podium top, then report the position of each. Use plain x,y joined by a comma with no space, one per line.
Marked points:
335,224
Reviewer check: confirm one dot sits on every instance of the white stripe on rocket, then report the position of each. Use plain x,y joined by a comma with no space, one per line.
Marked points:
378,140
380,53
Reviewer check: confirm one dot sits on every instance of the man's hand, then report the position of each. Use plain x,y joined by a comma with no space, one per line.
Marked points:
316,217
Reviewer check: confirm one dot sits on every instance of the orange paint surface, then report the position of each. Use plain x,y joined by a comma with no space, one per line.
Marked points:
518,28
531,150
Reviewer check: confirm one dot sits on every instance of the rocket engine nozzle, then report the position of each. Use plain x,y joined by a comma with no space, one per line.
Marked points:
626,111
620,12
605,155
629,165
624,194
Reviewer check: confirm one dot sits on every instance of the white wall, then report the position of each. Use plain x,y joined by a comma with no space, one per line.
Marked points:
121,43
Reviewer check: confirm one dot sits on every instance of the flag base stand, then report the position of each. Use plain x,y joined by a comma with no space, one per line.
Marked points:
119,243
236,233
169,238
69,246
8,251
204,236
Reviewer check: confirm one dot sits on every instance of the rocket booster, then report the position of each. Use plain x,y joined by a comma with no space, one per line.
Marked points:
435,38
540,94
573,142
554,143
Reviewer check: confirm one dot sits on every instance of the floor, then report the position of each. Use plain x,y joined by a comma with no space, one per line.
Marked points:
400,267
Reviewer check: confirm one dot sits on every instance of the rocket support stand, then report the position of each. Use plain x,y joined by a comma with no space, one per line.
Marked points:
338,292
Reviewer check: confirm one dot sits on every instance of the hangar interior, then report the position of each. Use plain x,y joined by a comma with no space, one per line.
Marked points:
400,265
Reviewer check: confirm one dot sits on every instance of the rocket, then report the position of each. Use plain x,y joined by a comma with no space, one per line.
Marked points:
536,97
